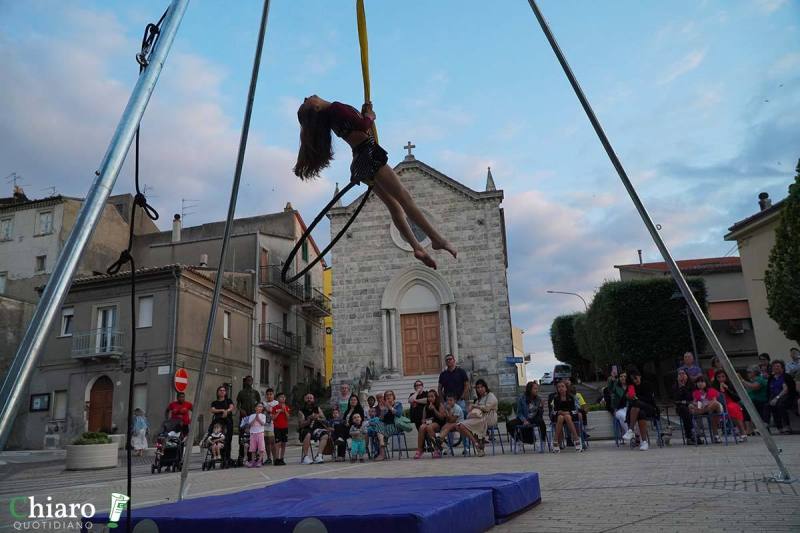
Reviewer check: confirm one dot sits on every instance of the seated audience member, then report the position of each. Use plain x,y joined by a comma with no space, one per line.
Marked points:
757,389
433,418
529,414
782,391
641,405
731,399
715,367
793,369
341,430
682,396
453,416
371,402
620,403
417,401
705,401
384,425
481,414
690,367
562,408
312,427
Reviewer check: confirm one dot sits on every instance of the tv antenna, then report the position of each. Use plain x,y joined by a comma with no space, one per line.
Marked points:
187,204
14,179
52,190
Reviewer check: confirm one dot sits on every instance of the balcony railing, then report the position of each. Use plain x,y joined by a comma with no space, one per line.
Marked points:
270,278
273,336
103,342
316,302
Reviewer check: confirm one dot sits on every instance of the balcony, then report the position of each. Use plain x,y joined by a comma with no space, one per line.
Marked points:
273,337
270,281
105,342
315,303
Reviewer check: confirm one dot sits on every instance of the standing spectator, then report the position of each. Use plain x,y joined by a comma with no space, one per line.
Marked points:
258,449
562,408
731,399
530,414
140,428
357,437
481,414
691,368
764,365
716,366
417,401
682,396
641,405
782,390
705,401
454,380
269,428
246,402
433,418
342,400
758,390
384,427
793,366
280,418
453,416
180,412
222,411
312,427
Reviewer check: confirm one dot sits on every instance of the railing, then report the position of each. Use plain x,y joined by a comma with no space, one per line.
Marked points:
270,276
273,336
317,298
97,343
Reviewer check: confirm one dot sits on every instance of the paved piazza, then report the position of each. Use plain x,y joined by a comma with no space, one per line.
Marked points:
604,489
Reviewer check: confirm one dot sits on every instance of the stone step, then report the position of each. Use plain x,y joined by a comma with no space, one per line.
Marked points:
403,386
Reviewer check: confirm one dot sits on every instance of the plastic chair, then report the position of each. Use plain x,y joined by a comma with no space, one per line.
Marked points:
395,440
493,433
463,441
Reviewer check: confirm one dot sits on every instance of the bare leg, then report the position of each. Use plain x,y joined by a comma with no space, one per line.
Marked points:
399,219
387,180
306,444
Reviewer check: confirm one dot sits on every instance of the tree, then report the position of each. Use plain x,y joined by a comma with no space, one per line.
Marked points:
782,278
565,346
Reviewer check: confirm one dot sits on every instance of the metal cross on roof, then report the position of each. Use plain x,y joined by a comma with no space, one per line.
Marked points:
408,147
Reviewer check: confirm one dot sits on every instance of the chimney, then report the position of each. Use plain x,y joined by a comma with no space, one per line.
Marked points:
288,208
176,228
763,201
203,260
640,257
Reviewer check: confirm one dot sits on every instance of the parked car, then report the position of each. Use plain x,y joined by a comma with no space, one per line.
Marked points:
547,379
562,371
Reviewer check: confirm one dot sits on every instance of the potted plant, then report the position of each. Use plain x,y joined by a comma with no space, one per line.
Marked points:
91,451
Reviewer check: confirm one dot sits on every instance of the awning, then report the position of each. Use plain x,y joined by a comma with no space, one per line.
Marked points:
732,310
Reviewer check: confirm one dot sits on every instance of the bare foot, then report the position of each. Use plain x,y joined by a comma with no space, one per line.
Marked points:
444,245
423,256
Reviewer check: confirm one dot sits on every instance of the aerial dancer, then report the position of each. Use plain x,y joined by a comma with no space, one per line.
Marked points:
318,118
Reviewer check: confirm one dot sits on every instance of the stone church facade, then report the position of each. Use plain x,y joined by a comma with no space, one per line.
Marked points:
398,318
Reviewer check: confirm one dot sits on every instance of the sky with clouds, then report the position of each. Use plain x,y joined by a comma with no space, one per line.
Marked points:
699,99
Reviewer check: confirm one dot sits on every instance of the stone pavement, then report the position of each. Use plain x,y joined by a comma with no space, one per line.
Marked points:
676,488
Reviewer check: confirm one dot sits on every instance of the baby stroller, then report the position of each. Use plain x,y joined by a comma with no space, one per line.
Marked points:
244,444
169,447
209,462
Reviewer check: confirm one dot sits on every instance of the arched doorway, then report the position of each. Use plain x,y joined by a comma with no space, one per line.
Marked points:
101,400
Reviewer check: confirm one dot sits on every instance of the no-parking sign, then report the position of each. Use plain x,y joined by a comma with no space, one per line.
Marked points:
181,380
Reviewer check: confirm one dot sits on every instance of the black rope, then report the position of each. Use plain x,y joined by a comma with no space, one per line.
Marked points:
151,33
307,233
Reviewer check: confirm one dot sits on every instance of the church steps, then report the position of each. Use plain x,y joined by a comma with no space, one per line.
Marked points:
403,386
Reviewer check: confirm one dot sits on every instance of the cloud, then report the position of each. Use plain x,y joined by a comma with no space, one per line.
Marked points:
686,64
769,6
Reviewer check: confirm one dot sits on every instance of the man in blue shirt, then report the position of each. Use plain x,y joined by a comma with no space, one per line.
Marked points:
454,380
690,367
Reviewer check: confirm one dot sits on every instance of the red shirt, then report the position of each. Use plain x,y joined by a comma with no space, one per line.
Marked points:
280,416
180,411
346,119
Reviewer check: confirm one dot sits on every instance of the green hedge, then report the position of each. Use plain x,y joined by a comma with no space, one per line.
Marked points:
92,437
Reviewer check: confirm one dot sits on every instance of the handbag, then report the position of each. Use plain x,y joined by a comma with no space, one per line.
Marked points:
403,423
475,413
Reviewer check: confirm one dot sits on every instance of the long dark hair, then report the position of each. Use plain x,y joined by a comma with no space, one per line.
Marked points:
315,151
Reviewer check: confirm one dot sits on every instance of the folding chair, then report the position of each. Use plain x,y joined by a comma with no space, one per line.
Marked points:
491,431
395,440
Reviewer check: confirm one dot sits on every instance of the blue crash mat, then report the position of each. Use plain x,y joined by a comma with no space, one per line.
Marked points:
466,504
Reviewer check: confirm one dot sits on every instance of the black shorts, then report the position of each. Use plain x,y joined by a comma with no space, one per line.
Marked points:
368,158
281,435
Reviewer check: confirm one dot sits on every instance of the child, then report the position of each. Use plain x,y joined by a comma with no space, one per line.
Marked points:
372,425
257,422
269,427
371,402
731,399
453,415
280,420
705,402
216,441
140,427
357,446
317,119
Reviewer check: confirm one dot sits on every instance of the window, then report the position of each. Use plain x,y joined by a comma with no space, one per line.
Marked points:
67,316
226,324
145,319
45,223
305,250
308,374
41,263
106,322
3,277
285,323
60,405
309,333
140,397
263,372
264,312
6,229
307,286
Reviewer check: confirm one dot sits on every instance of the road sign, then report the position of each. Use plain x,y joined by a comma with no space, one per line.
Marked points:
514,360
181,380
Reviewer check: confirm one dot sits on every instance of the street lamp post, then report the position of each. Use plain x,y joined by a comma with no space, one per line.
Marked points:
586,307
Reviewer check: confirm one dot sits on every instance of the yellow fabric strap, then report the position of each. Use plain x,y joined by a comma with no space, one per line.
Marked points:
364,45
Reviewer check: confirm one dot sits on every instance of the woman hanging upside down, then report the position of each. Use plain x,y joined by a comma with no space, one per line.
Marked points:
317,119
